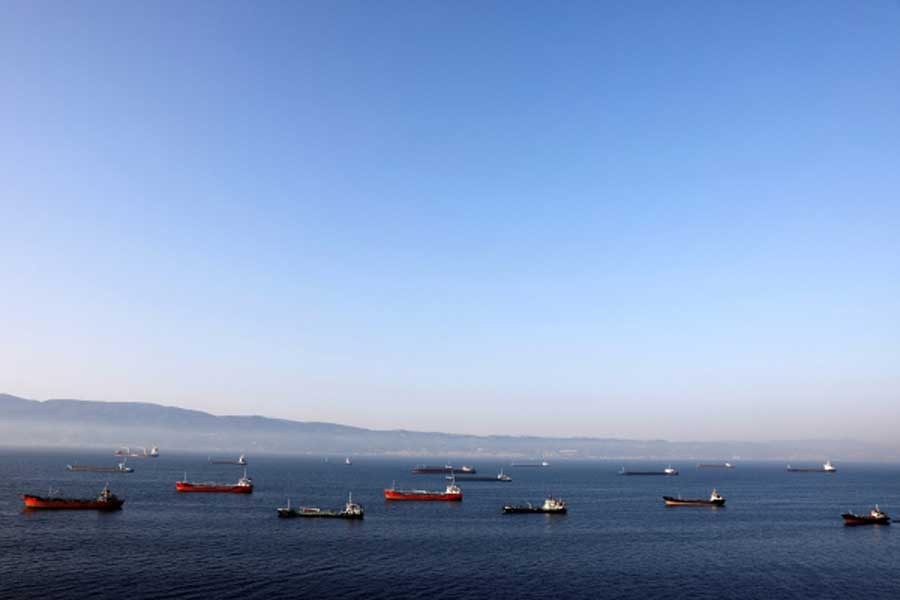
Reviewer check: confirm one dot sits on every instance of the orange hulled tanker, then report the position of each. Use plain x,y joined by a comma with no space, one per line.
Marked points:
244,485
106,501
451,493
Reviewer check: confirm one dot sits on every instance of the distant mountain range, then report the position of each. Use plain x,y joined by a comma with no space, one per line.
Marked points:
80,423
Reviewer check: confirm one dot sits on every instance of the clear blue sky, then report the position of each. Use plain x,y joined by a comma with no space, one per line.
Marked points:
636,219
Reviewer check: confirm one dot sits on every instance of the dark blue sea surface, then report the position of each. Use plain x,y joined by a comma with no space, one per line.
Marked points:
780,535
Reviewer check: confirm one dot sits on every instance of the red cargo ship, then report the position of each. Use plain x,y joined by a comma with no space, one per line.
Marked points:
243,486
105,501
452,493
875,517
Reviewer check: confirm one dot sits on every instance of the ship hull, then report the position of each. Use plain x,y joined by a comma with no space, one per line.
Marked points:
186,487
442,471
852,520
526,510
801,470
40,503
661,473
93,469
290,513
679,502
421,496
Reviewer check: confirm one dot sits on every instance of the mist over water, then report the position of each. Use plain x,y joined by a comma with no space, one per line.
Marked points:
780,534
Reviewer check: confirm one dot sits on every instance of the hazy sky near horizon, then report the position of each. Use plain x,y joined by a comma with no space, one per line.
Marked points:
632,219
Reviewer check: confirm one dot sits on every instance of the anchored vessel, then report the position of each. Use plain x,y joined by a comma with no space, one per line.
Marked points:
241,460
550,506
542,463
726,465
427,470
119,468
347,461
826,468
714,500
667,471
126,451
875,517
105,501
501,476
351,510
451,493
244,485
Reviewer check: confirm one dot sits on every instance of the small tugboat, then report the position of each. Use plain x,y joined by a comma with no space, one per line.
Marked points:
244,485
351,510
119,468
501,476
241,460
667,471
875,517
553,506
451,493
106,501
714,500
726,465
826,468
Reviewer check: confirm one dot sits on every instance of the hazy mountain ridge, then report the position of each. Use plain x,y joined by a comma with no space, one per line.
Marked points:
82,423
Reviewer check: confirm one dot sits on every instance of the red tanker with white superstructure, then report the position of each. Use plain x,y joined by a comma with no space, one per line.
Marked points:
244,485
106,501
451,493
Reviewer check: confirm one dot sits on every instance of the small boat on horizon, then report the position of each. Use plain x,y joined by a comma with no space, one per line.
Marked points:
244,485
351,510
347,461
826,468
542,463
241,461
128,452
501,476
667,471
106,501
551,505
119,468
715,499
726,465
875,517
452,493
432,470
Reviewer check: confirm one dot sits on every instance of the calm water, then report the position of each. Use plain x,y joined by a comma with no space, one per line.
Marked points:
780,535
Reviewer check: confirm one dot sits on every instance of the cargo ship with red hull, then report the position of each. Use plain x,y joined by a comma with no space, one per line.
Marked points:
244,485
451,494
875,517
106,501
